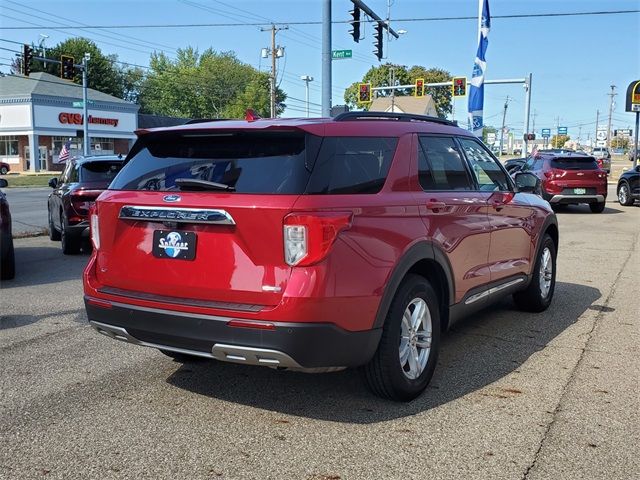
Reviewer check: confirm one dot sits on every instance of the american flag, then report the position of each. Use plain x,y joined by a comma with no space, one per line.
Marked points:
64,153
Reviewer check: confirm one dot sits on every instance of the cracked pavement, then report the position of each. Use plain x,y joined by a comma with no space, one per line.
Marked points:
515,396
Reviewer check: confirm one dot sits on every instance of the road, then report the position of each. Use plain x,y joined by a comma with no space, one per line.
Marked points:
28,209
515,396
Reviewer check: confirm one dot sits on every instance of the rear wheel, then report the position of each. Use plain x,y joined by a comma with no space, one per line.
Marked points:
597,207
70,242
407,354
624,194
54,234
3,170
538,295
8,261
182,357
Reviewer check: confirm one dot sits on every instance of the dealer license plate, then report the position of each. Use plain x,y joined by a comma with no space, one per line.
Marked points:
579,191
174,244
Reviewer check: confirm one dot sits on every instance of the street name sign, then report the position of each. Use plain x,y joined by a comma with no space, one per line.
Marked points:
341,54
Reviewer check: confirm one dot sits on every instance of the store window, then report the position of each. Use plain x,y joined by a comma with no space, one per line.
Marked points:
102,146
75,147
8,146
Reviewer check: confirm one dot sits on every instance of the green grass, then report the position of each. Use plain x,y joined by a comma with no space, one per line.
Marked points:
41,180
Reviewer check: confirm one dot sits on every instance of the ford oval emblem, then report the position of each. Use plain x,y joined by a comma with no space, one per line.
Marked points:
172,198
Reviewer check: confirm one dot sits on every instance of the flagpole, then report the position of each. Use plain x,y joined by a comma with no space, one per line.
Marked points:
480,2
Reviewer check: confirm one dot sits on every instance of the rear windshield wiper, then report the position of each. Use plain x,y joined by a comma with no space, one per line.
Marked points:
198,184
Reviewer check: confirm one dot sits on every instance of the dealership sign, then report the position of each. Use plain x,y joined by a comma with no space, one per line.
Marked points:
77,119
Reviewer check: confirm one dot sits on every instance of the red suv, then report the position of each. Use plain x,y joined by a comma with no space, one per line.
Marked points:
314,243
569,178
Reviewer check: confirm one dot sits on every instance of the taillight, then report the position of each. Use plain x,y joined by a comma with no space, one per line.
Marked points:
83,200
308,237
548,174
94,228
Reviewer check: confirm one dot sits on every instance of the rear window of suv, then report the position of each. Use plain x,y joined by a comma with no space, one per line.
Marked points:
269,163
574,163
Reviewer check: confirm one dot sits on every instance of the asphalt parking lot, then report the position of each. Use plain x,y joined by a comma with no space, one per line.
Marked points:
515,396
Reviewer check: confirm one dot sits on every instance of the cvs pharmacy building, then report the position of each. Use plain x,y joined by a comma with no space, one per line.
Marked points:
39,113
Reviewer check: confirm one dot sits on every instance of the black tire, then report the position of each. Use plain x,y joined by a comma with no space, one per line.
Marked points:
533,299
597,207
384,374
8,261
3,170
182,357
54,234
624,195
70,242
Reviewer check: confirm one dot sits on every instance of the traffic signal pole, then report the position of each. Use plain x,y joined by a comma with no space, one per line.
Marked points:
326,58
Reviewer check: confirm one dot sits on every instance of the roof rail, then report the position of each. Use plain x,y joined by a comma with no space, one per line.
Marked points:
400,117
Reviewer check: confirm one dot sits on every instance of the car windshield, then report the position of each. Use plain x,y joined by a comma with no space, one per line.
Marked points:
574,163
100,171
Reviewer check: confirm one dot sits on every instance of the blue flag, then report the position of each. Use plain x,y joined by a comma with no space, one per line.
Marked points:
476,87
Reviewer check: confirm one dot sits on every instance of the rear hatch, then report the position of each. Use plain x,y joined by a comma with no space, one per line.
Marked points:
199,216
577,171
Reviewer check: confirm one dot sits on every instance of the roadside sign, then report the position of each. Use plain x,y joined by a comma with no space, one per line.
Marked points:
633,97
491,137
624,132
562,130
601,135
546,132
341,54
601,143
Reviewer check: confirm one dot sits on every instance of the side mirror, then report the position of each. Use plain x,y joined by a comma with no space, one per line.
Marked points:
527,182
637,169
3,183
53,183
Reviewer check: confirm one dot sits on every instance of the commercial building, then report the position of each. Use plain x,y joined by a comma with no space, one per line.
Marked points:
41,112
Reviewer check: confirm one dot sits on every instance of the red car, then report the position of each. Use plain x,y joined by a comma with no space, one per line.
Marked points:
569,179
79,184
314,243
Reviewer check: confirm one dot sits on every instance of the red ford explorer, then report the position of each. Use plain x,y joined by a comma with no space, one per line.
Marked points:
314,243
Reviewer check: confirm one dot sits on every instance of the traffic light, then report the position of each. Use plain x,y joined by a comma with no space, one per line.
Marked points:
364,93
27,56
355,24
459,86
67,71
529,136
419,91
378,42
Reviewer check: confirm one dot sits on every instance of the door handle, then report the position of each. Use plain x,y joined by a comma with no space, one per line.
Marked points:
435,206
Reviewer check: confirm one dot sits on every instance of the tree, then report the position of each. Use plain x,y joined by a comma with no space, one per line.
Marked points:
558,141
208,85
620,142
104,72
381,75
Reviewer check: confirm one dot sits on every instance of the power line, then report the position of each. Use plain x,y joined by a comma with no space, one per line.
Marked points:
317,22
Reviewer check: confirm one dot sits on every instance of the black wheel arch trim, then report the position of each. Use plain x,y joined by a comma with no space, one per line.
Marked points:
423,250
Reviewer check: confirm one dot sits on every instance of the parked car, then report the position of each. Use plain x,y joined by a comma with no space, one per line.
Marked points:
514,164
629,186
569,179
4,168
316,244
7,257
74,192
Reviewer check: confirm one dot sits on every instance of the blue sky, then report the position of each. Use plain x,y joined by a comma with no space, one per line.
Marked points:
573,60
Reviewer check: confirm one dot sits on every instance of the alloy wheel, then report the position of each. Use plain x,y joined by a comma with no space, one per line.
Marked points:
415,338
546,272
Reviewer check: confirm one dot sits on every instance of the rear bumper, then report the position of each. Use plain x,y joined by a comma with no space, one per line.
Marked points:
301,345
79,229
562,199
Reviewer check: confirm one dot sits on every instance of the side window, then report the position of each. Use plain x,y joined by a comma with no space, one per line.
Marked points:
488,173
73,174
440,165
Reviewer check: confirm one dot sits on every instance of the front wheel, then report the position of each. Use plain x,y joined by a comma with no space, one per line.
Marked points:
538,295
624,195
408,351
597,207
3,170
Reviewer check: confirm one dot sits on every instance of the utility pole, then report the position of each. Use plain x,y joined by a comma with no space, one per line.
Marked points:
504,117
392,82
326,58
612,94
275,54
85,102
533,129
557,133
597,123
